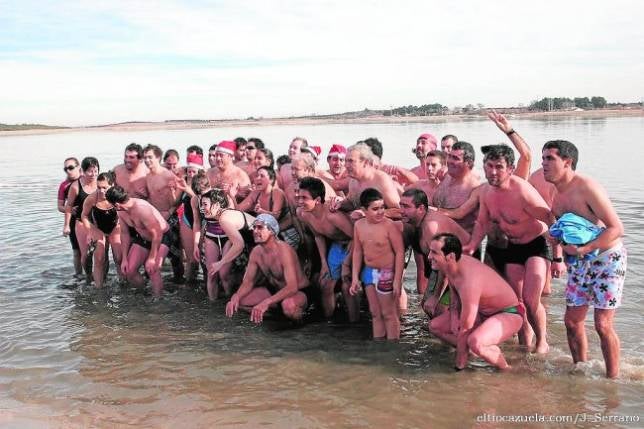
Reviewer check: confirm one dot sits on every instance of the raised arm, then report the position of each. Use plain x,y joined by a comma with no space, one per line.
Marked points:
525,157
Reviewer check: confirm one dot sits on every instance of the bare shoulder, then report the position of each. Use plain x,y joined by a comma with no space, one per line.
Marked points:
360,223
584,182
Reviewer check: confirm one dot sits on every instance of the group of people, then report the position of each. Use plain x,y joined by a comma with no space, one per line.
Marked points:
283,233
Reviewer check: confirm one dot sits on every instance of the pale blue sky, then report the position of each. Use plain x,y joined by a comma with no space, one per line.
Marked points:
83,62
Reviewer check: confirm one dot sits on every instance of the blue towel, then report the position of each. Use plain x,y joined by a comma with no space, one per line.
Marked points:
573,229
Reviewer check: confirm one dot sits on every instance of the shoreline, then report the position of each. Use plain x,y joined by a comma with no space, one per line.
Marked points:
375,119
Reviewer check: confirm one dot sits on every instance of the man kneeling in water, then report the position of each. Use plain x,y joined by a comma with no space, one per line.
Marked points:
143,238
273,276
490,312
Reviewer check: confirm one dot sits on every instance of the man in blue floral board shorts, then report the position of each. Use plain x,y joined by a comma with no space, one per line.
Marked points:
598,267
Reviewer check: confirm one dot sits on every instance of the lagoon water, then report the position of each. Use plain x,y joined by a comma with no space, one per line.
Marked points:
71,356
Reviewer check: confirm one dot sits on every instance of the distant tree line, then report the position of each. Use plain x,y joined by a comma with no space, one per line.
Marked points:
20,127
424,110
560,103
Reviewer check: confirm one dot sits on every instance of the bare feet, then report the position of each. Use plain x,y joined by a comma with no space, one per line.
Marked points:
542,348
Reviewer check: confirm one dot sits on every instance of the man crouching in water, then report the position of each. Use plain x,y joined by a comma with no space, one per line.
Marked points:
489,313
275,262
142,233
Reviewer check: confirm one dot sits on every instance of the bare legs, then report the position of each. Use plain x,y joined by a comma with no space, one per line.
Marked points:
528,281
578,342
385,320
485,339
292,307
187,242
212,254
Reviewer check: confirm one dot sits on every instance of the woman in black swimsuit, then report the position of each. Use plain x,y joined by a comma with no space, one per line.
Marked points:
236,225
78,192
100,219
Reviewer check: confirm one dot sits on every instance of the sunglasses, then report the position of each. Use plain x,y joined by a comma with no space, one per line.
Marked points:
69,167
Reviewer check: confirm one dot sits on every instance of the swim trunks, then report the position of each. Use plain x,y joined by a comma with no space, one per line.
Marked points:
382,279
597,280
137,239
520,253
336,256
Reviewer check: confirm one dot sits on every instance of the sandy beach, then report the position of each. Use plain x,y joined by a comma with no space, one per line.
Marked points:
375,119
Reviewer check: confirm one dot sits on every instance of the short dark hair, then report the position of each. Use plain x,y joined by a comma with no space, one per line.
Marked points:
375,146
468,152
156,150
116,194
282,160
270,172
259,144
418,197
451,244
438,154
213,147
135,147
195,148
450,136
107,176
71,158
89,162
498,151
314,186
368,196
239,142
168,153
565,149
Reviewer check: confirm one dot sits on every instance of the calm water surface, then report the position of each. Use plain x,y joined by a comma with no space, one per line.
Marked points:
71,356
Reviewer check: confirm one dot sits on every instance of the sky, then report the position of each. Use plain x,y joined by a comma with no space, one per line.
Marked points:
89,62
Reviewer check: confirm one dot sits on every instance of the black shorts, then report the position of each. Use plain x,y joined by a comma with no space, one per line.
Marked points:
147,244
520,253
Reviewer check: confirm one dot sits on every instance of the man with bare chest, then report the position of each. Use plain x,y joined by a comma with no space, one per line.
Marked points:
142,238
486,311
225,174
273,276
459,183
333,232
131,174
424,144
517,209
163,195
597,270
360,164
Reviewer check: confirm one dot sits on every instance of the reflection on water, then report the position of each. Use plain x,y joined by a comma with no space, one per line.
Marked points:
75,356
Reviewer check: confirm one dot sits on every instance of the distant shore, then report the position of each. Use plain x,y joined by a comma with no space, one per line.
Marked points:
373,119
